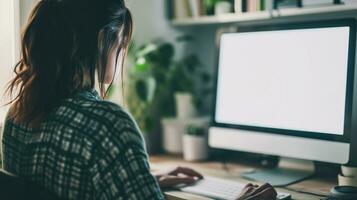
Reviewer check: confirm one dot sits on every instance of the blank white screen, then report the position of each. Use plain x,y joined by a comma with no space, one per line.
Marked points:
288,79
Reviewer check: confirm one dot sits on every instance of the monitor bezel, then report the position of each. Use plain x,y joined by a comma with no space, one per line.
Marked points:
346,137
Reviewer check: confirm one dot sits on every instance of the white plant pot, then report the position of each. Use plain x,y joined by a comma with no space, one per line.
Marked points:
172,135
184,105
173,130
195,148
349,171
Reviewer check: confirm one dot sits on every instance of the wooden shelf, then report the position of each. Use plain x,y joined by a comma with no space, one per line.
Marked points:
263,15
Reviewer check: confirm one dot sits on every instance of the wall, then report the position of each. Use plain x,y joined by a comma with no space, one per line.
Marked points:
8,57
13,16
25,9
151,24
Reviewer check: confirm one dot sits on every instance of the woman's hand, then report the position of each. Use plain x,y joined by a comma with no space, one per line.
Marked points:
183,175
178,176
255,192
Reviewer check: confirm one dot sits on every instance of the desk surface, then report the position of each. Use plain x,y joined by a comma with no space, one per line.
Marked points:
315,188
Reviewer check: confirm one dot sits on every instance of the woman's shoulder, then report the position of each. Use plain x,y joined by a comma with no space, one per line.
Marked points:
107,109
89,103
120,118
120,129
101,109
101,120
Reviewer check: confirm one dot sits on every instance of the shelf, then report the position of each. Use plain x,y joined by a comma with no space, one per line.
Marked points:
263,15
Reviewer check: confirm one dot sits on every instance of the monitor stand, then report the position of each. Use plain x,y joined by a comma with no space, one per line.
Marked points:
289,171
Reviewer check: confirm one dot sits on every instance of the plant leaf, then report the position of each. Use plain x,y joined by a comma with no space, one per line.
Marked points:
141,90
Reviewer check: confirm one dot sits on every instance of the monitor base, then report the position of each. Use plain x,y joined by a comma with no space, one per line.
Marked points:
288,172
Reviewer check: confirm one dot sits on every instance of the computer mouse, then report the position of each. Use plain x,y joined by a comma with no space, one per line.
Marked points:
344,192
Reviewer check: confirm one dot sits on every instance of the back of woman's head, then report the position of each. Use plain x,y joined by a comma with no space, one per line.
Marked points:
65,48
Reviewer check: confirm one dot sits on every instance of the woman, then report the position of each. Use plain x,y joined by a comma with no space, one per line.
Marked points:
59,133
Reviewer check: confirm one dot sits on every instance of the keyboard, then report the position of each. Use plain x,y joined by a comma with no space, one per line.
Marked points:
222,189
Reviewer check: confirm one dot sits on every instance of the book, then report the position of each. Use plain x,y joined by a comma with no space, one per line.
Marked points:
258,5
244,6
203,10
195,7
269,5
262,5
169,9
181,9
252,5
238,6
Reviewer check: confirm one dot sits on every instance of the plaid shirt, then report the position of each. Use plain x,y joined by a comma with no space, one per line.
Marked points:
85,149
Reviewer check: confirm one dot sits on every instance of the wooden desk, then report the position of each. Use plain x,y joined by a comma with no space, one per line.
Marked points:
313,189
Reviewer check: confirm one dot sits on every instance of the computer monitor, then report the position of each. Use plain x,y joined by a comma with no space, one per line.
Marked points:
287,90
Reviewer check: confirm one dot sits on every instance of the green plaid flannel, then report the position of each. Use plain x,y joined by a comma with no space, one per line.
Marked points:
85,149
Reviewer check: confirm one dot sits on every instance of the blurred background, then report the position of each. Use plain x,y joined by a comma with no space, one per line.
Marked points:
168,77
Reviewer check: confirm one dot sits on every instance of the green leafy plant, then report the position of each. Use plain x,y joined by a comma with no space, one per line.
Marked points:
156,76
194,130
147,78
209,5
187,74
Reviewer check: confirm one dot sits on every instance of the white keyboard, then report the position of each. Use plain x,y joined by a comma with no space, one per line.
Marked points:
222,189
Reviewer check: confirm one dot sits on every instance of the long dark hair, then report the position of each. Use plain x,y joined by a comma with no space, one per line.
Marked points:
64,45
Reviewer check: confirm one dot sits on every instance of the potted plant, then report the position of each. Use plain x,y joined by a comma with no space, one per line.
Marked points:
147,96
195,147
209,6
155,81
184,80
186,75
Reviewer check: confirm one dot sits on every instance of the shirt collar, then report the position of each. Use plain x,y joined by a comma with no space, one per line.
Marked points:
89,94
